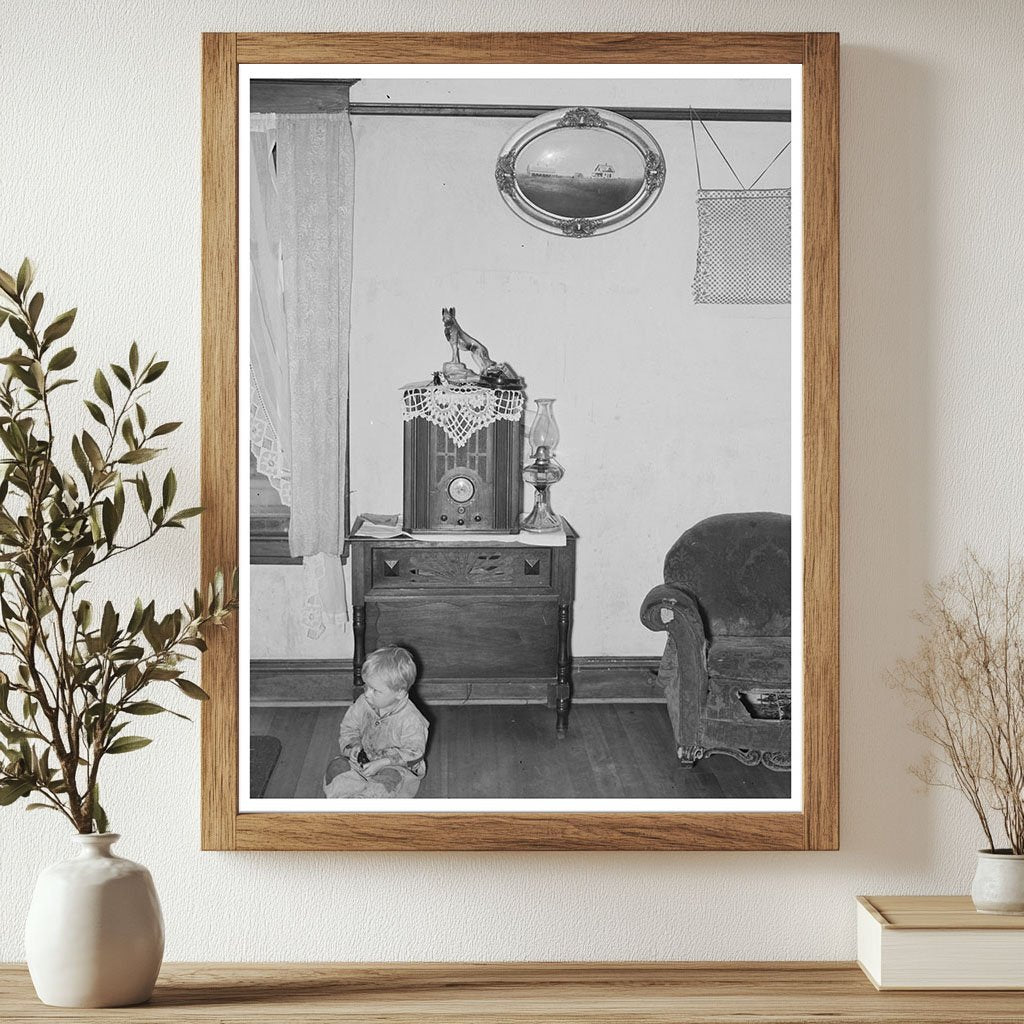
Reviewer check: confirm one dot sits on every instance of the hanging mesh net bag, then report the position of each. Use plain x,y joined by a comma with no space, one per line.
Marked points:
744,248
743,245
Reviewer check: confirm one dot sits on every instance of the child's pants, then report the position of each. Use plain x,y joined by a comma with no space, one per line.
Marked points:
341,782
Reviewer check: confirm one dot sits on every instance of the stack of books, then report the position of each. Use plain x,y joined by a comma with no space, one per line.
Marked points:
938,942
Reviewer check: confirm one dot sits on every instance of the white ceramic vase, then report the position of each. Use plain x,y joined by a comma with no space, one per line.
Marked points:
999,883
95,934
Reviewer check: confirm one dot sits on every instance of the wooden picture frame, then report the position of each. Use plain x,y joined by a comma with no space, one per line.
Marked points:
816,826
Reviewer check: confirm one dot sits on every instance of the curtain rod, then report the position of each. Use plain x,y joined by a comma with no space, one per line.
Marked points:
304,95
510,110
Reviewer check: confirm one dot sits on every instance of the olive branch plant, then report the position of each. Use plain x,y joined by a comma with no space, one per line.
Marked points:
966,681
80,675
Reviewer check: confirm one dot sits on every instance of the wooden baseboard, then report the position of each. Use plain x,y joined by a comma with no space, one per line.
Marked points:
596,680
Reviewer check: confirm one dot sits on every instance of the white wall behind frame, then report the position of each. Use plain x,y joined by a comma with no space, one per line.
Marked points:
103,189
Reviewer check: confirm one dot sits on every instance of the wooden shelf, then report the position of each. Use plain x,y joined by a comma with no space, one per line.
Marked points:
660,993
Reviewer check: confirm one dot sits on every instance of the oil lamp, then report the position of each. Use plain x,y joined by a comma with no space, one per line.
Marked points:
544,471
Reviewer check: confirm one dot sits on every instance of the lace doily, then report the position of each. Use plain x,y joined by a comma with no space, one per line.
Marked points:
460,410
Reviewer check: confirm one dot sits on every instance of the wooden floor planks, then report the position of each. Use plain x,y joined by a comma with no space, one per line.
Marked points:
324,738
294,728
480,751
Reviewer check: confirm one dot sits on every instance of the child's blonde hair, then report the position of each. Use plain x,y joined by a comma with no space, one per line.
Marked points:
393,666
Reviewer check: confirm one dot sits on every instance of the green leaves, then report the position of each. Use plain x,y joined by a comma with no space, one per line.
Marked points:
82,670
81,459
12,733
9,286
140,615
185,513
145,497
63,359
59,327
108,625
83,614
126,744
99,816
170,488
143,707
154,372
147,707
128,433
14,790
26,274
102,388
21,329
92,450
191,690
110,521
96,412
133,458
35,307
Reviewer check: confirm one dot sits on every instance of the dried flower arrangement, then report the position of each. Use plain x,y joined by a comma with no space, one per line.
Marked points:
967,679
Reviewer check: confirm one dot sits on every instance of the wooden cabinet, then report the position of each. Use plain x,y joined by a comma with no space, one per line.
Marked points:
471,611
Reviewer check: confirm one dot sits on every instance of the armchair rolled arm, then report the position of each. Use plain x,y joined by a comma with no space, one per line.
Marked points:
667,606
684,669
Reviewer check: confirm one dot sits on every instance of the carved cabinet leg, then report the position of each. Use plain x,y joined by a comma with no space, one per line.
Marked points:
563,688
358,648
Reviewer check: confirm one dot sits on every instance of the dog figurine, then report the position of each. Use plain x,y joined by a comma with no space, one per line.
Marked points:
492,374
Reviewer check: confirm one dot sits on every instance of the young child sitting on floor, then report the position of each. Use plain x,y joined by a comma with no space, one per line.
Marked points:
383,736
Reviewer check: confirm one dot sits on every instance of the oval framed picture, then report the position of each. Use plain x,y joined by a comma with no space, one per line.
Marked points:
580,171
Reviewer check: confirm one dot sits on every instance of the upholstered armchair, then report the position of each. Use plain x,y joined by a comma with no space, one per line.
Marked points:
725,605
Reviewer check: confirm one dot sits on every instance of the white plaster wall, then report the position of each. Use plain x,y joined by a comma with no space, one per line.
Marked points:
669,411
100,182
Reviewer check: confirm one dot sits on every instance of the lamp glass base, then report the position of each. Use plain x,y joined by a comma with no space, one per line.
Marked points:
541,520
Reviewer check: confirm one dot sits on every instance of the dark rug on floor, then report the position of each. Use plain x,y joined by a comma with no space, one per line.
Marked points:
263,754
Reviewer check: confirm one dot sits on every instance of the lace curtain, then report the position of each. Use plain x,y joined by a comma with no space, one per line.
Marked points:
269,415
302,251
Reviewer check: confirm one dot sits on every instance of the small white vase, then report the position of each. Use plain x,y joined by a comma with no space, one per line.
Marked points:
999,883
95,934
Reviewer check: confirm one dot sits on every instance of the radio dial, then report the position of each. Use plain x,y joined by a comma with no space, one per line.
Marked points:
461,490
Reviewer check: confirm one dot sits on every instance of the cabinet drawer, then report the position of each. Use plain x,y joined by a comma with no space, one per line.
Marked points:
441,567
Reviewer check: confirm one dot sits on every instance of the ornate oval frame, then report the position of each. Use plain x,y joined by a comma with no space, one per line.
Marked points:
581,117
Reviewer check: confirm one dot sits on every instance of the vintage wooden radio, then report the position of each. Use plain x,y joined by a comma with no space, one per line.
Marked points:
475,487
464,444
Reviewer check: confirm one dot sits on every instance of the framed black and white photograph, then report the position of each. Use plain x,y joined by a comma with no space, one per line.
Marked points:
532,485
